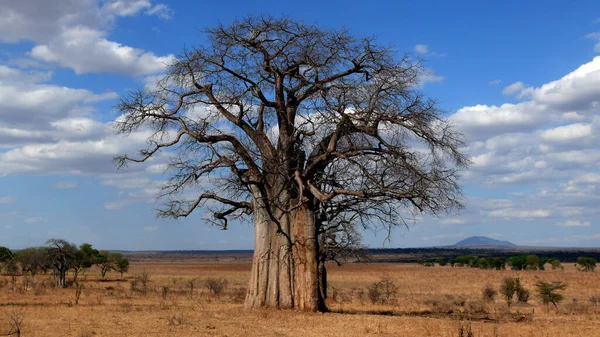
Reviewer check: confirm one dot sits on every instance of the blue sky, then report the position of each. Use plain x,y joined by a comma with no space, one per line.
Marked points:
519,78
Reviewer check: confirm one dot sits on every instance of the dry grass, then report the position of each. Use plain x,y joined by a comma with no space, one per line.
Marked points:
440,301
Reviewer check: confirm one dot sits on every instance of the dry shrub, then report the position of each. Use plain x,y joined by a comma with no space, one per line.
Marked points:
78,291
216,285
40,288
489,293
383,292
165,292
177,319
126,307
465,330
441,305
576,307
238,295
15,321
477,306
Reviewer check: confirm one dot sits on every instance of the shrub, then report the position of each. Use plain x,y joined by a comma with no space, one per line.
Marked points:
508,289
216,285
489,293
594,299
555,263
522,293
78,291
547,292
384,291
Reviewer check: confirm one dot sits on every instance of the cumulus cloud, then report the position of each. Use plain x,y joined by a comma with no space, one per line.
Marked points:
72,34
421,49
513,88
87,50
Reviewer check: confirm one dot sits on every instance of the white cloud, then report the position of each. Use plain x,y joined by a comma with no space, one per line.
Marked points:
453,221
575,223
7,199
421,49
518,88
65,185
567,133
40,20
34,219
162,11
494,82
151,228
513,88
520,214
72,34
86,50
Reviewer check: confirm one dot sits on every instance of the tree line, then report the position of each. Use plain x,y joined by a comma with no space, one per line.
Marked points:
519,262
62,258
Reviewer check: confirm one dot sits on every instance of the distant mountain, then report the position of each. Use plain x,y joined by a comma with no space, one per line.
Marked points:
483,241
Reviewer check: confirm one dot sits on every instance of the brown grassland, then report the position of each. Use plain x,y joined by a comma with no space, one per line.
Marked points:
438,301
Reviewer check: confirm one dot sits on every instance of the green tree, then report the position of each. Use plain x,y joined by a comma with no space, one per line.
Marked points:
85,257
547,292
299,120
533,262
517,262
122,265
586,263
5,256
441,261
31,259
508,288
107,261
555,263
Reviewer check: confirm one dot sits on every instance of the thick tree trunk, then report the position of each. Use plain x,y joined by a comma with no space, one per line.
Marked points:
284,267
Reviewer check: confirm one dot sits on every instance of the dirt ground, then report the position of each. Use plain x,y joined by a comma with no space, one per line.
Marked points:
429,301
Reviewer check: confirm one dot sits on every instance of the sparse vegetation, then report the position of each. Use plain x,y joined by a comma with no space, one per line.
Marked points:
489,293
547,292
423,300
383,292
216,285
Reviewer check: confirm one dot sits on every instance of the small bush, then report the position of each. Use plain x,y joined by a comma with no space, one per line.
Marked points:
489,293
595,299
78,291
383,291
165,292
178,319
238,295
15,321
216,285
522,293
508,289
465,330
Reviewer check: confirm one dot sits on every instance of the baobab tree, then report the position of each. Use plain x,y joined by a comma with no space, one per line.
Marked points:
294,126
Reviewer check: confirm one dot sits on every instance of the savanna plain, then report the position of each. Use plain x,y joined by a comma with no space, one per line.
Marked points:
204,297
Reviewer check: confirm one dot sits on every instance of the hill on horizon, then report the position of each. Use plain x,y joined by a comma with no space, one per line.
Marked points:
483,241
